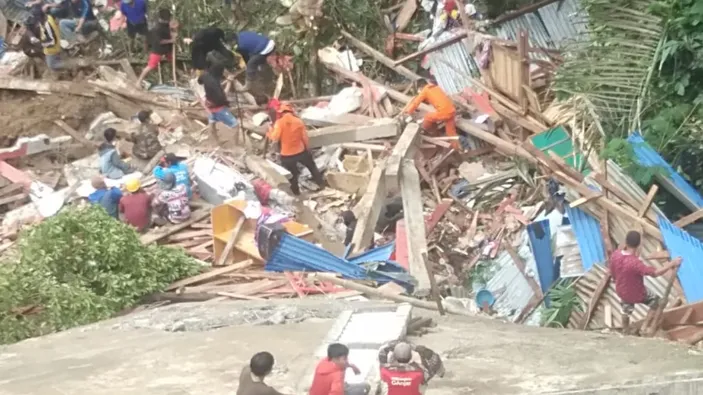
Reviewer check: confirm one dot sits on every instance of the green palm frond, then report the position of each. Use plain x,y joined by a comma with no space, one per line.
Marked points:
612,67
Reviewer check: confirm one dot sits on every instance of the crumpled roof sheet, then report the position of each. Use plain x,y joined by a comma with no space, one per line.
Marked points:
552,26
680,243
14,10
648,157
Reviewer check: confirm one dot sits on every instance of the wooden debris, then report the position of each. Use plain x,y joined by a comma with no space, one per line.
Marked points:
415,223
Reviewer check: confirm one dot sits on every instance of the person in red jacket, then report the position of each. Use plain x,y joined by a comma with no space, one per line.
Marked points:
628,271
400,375
329,374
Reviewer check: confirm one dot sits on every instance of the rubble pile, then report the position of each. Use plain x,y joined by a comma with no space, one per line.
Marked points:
488,228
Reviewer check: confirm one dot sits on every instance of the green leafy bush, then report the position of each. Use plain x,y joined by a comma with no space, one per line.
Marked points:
79,267
563,300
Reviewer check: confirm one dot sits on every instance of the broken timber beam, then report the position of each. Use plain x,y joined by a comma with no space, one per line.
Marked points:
385,60
171,229
415,221
263,169
689,219
378,128
595,298
432,48
405,148
73,88
75,134
369,207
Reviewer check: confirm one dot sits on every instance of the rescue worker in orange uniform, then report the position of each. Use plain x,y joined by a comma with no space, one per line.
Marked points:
289,131
445,110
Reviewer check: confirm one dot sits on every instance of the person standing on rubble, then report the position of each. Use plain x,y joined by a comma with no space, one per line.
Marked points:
107,198
443,105
628,271
146,141
290,132
171,203
254,48
251,380
216,103
82,23
135,11
400,375
136,207
330,372
49,36
109,161
205,41
173,164
161,39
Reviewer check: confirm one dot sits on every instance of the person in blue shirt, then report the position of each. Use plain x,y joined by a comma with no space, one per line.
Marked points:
83,21
171,163
254,49
107,198
135,11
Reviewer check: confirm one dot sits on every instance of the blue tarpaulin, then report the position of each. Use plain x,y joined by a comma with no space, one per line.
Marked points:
541,243
680,243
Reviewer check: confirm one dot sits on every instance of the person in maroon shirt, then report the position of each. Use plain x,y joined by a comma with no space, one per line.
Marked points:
136,207
628,271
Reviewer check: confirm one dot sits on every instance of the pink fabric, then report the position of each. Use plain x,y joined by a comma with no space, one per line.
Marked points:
118,22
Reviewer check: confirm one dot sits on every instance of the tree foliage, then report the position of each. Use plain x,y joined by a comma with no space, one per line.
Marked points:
79,267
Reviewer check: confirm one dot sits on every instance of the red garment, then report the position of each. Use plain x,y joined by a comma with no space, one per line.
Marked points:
136,208
628,272
155,59
328,380
401,382
450,5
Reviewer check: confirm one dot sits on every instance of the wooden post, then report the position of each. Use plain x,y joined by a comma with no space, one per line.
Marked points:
650,328
524,71
433,284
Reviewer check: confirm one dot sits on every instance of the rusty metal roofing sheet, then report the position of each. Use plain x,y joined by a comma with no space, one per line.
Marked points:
680,243
452,66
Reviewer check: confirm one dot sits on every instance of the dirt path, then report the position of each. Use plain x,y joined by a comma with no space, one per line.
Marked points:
131,355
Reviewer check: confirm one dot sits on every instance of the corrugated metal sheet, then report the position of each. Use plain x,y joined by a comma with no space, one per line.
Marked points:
540,240
589,237
680,243
452,66
14,10
551,26
297,255
508,285
648,157
564,21
567,250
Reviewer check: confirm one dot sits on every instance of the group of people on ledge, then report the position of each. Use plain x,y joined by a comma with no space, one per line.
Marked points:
400,373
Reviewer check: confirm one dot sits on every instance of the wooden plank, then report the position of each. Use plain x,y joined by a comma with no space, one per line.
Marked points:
210,274
168,230
8,189
127,68
415,223
232,241
73,88
15,198
380,57
648,200
369,207
405,15
689,219
595,298
404,148
76,135
190,235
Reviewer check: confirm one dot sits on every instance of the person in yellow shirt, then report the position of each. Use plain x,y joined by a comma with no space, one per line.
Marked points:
49,36
290,132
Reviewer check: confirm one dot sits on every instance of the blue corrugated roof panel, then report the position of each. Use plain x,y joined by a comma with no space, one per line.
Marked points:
541,243
297,255
648,157
589,237
680,243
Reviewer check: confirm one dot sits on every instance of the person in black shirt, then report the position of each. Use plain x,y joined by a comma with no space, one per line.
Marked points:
216,102
206,41
161,39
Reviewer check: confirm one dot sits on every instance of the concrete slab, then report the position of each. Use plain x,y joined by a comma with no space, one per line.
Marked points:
376,129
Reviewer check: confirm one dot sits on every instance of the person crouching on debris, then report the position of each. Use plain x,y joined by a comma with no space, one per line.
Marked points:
109,161
251,380
81,24
171,163
443,105
204,41
49,37
400,375
107,198
135,11
254,48
171,203
161,39
216,103
136,207
146,141
290,132
330,372
628,271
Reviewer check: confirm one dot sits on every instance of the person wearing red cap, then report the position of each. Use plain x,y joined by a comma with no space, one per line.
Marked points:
290,132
